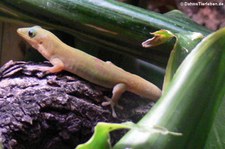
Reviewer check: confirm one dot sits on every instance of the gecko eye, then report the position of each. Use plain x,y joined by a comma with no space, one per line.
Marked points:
32,33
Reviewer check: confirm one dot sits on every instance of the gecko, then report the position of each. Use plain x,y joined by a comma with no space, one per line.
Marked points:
88,67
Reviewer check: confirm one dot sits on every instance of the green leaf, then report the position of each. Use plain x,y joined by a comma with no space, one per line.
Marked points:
191,102
159,37
185,43
217,133
101,138
178,16
108,24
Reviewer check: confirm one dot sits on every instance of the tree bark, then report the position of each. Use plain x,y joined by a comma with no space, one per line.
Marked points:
59,111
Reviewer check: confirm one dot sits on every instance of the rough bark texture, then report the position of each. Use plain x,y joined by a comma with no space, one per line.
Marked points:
39,111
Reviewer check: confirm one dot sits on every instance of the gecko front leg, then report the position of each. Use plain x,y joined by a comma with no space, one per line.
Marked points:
118,90
57,66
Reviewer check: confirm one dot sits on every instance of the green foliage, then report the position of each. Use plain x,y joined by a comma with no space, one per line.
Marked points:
175,108
191,102
217,132
193,92
101,138
185,43
159,37
107,24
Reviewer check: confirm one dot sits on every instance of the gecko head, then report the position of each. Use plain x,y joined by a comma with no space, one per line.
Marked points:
35,35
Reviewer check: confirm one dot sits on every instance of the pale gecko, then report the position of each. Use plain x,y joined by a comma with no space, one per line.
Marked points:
105,74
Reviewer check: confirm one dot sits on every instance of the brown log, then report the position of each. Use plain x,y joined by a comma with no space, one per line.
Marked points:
59,111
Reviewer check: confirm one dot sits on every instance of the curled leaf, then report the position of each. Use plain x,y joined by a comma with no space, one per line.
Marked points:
159,37
185,42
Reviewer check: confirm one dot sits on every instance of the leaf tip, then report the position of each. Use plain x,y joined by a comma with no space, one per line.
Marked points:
159,37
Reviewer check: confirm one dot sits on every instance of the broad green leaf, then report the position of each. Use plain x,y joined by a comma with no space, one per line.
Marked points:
179,16
191,102
108,24
217,133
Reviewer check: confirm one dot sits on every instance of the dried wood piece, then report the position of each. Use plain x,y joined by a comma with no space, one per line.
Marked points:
59,111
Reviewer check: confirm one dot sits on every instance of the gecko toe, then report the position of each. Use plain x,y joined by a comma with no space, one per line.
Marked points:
112,104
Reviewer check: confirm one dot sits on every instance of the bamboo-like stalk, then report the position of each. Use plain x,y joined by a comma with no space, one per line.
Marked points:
113,25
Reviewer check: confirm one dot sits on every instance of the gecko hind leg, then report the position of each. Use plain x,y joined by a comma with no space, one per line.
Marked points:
118,90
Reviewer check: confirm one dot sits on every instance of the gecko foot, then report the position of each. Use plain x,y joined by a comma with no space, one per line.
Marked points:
112,104
44,70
